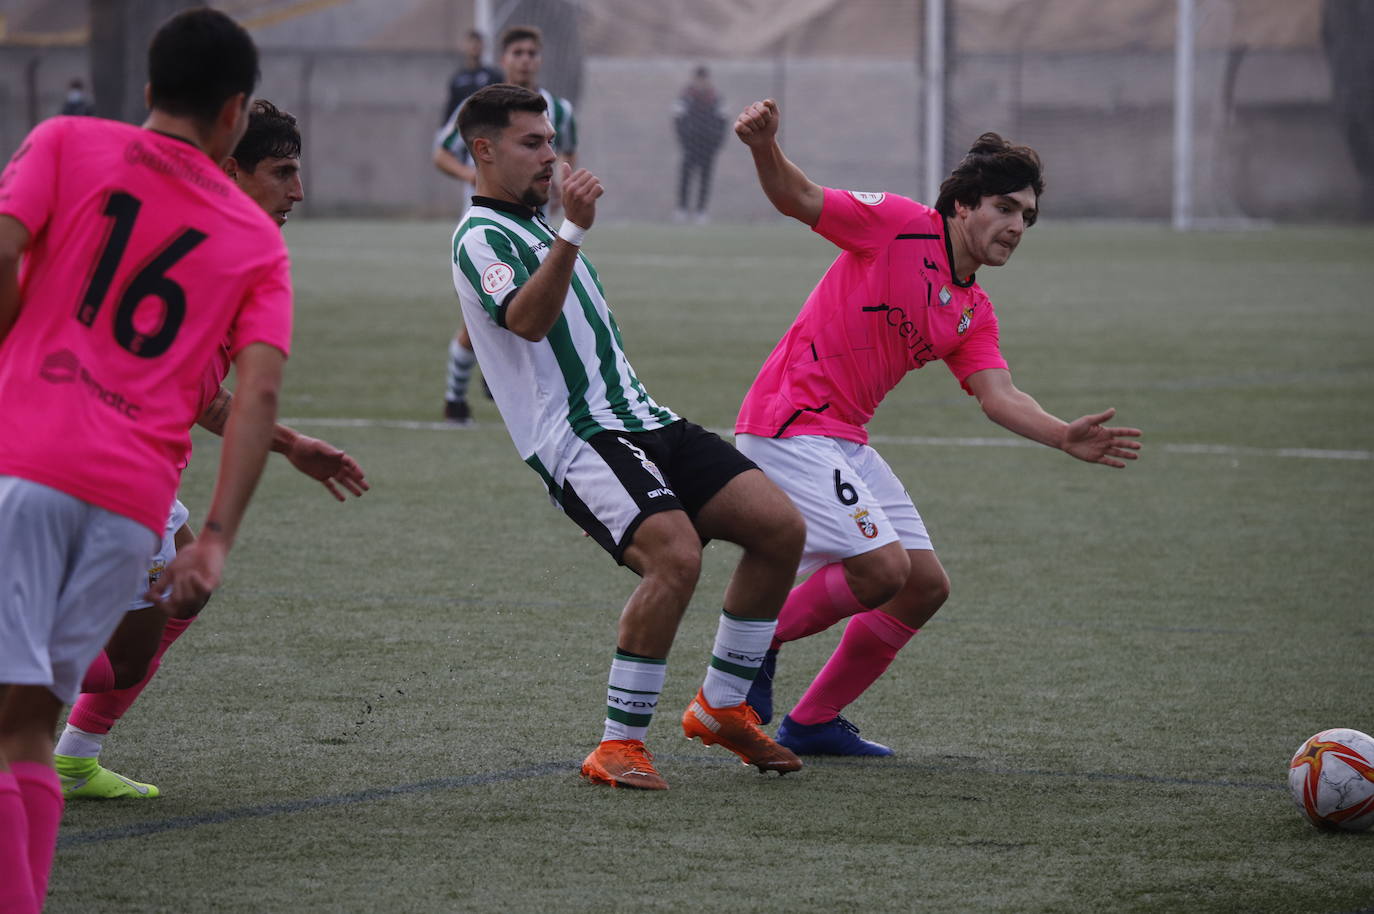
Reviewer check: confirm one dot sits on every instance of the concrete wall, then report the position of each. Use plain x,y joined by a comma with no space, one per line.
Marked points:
1267,144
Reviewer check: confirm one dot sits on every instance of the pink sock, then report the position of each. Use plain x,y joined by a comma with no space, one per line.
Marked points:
100,675
41,792
98,712
871,640
16,877
816,604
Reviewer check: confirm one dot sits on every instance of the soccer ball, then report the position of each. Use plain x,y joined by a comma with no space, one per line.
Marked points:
1331,778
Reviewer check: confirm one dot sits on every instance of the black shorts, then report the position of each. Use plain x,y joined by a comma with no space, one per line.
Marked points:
619,478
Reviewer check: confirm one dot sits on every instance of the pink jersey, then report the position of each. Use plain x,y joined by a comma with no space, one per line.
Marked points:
887,305
143,259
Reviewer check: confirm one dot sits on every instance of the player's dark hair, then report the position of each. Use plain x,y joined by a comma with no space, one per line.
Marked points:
487,111
272,134
991,167
521,33
197,60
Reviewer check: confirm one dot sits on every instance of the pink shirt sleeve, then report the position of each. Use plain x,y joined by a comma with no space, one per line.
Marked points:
265,316
29,181
863,223
979,352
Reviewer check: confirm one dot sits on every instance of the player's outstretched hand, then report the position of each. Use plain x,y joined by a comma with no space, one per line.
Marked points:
1088,439
190,579
580,191
332,467
757,125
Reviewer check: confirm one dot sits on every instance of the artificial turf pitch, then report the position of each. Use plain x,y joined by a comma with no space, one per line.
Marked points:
384,707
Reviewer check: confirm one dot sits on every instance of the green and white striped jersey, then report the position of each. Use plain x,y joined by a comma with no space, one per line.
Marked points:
564,123
570,385
560,115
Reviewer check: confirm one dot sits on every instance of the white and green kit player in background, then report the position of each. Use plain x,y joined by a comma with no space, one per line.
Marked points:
522,56
648,486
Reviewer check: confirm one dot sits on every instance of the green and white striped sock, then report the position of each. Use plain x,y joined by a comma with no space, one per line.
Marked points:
632,695
735,658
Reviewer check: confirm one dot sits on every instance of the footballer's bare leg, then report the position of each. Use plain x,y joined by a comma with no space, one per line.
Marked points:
134,654
666,553
922,594
30,794
28,717
870,643
756,515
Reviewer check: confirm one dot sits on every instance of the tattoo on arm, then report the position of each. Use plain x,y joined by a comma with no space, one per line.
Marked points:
213,526
216,415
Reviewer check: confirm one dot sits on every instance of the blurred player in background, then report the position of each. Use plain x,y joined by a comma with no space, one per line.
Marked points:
699,122
902,294
648,486
471,76
266,165
450,155
140,259
522,55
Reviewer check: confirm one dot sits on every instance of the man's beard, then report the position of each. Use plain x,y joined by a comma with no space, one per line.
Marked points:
534,198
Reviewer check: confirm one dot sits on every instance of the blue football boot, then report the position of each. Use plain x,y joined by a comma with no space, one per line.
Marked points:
833,737
760,696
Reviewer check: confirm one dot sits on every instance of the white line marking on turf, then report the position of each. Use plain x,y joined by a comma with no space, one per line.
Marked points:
1219,450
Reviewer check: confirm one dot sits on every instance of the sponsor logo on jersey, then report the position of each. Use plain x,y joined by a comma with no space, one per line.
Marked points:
59,367
870,199
659,493
496,278
945,295
922,352
866,526
63,367
965,319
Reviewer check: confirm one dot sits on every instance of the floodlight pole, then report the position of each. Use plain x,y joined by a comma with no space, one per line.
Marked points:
1184,48
935,98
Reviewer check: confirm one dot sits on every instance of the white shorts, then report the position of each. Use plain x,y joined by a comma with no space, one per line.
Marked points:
164,555
68,568
852,501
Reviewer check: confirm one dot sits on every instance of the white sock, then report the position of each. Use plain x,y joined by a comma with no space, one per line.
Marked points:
736,658
460,362
632,696
77,742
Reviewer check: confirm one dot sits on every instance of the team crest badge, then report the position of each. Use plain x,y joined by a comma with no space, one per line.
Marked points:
496,278
649,466
965,319
870,199
866,526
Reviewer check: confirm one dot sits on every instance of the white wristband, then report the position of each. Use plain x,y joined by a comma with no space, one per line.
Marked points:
572,234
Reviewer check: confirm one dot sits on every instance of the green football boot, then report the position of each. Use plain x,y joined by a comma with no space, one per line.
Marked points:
85,779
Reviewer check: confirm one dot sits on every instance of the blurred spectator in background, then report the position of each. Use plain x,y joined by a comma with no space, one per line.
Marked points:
1347,31
470,77
700,125
77,101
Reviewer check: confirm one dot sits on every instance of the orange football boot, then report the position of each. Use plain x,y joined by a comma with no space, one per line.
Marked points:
623,763
737,729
